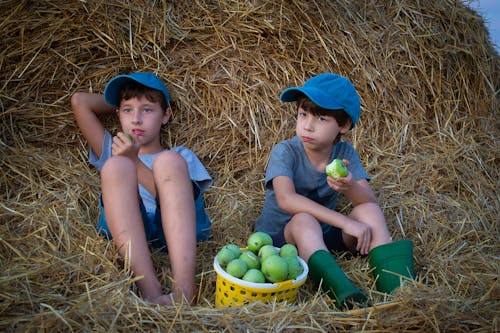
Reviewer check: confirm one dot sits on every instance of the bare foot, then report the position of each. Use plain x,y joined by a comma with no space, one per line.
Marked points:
163,299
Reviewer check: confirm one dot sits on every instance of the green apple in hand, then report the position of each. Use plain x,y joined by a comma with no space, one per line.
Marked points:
336,169
129,136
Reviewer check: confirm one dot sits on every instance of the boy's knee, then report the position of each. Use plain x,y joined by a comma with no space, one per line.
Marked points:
75,100
302,229
304,221
118,166
369,211
170,161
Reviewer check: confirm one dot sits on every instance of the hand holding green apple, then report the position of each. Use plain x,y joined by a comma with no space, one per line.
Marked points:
124,144
336,169
129,136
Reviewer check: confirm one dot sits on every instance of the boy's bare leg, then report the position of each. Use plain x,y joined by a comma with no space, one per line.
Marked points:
305,232
370,214
175,192
121,204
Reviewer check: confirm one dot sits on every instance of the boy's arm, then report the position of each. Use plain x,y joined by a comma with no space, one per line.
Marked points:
86,107
293,203
360,192
357,192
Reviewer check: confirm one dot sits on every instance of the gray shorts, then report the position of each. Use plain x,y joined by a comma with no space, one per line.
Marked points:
332,237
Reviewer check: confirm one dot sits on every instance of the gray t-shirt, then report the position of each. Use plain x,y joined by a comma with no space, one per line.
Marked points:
197,171
288,159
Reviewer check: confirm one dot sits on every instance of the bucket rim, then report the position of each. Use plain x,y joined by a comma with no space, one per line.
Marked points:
288,283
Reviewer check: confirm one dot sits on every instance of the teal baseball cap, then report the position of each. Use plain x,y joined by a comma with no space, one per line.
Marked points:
115,85
329,91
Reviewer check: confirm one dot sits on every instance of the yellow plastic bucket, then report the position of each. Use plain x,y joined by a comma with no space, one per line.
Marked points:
231,291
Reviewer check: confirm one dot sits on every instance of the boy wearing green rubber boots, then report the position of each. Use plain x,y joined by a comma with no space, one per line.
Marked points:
301,199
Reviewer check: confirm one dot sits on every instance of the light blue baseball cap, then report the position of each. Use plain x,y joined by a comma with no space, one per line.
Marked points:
113,88
329,91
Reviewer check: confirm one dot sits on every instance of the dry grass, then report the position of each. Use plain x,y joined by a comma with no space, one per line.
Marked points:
428,79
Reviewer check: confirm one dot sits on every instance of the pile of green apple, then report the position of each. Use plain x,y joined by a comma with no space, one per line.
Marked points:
260,261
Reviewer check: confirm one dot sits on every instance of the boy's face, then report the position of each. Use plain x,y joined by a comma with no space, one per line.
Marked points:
317,132
143,119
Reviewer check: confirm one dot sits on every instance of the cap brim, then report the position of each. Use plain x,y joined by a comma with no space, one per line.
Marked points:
114,87
290,94
317,96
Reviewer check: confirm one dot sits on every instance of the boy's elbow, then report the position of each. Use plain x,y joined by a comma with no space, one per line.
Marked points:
368,200
283,202
81,103
75,100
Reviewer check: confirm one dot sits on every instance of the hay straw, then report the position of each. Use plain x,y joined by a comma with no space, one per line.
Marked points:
428,78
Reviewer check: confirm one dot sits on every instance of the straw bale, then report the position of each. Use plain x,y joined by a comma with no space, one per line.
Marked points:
428,78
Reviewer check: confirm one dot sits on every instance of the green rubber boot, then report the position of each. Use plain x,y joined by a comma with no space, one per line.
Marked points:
322,266
392,263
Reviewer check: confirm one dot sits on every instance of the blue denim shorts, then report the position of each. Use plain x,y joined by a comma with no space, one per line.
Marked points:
153,226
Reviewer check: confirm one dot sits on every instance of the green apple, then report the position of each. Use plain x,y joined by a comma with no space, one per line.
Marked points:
289,250
250,259
236,268
266,251
294,267
235,248
129,136
336,169
254,275
224,256
257,240
275,268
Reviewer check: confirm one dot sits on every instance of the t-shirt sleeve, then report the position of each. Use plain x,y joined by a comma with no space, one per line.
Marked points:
280,164
197,171
96,161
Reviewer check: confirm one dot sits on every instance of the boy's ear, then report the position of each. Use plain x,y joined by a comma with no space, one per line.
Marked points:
347,126
166,115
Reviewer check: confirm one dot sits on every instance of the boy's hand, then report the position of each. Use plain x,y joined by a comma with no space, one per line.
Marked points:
124,146
362,233
341,184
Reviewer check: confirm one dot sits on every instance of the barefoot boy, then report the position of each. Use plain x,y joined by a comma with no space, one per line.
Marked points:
149,194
